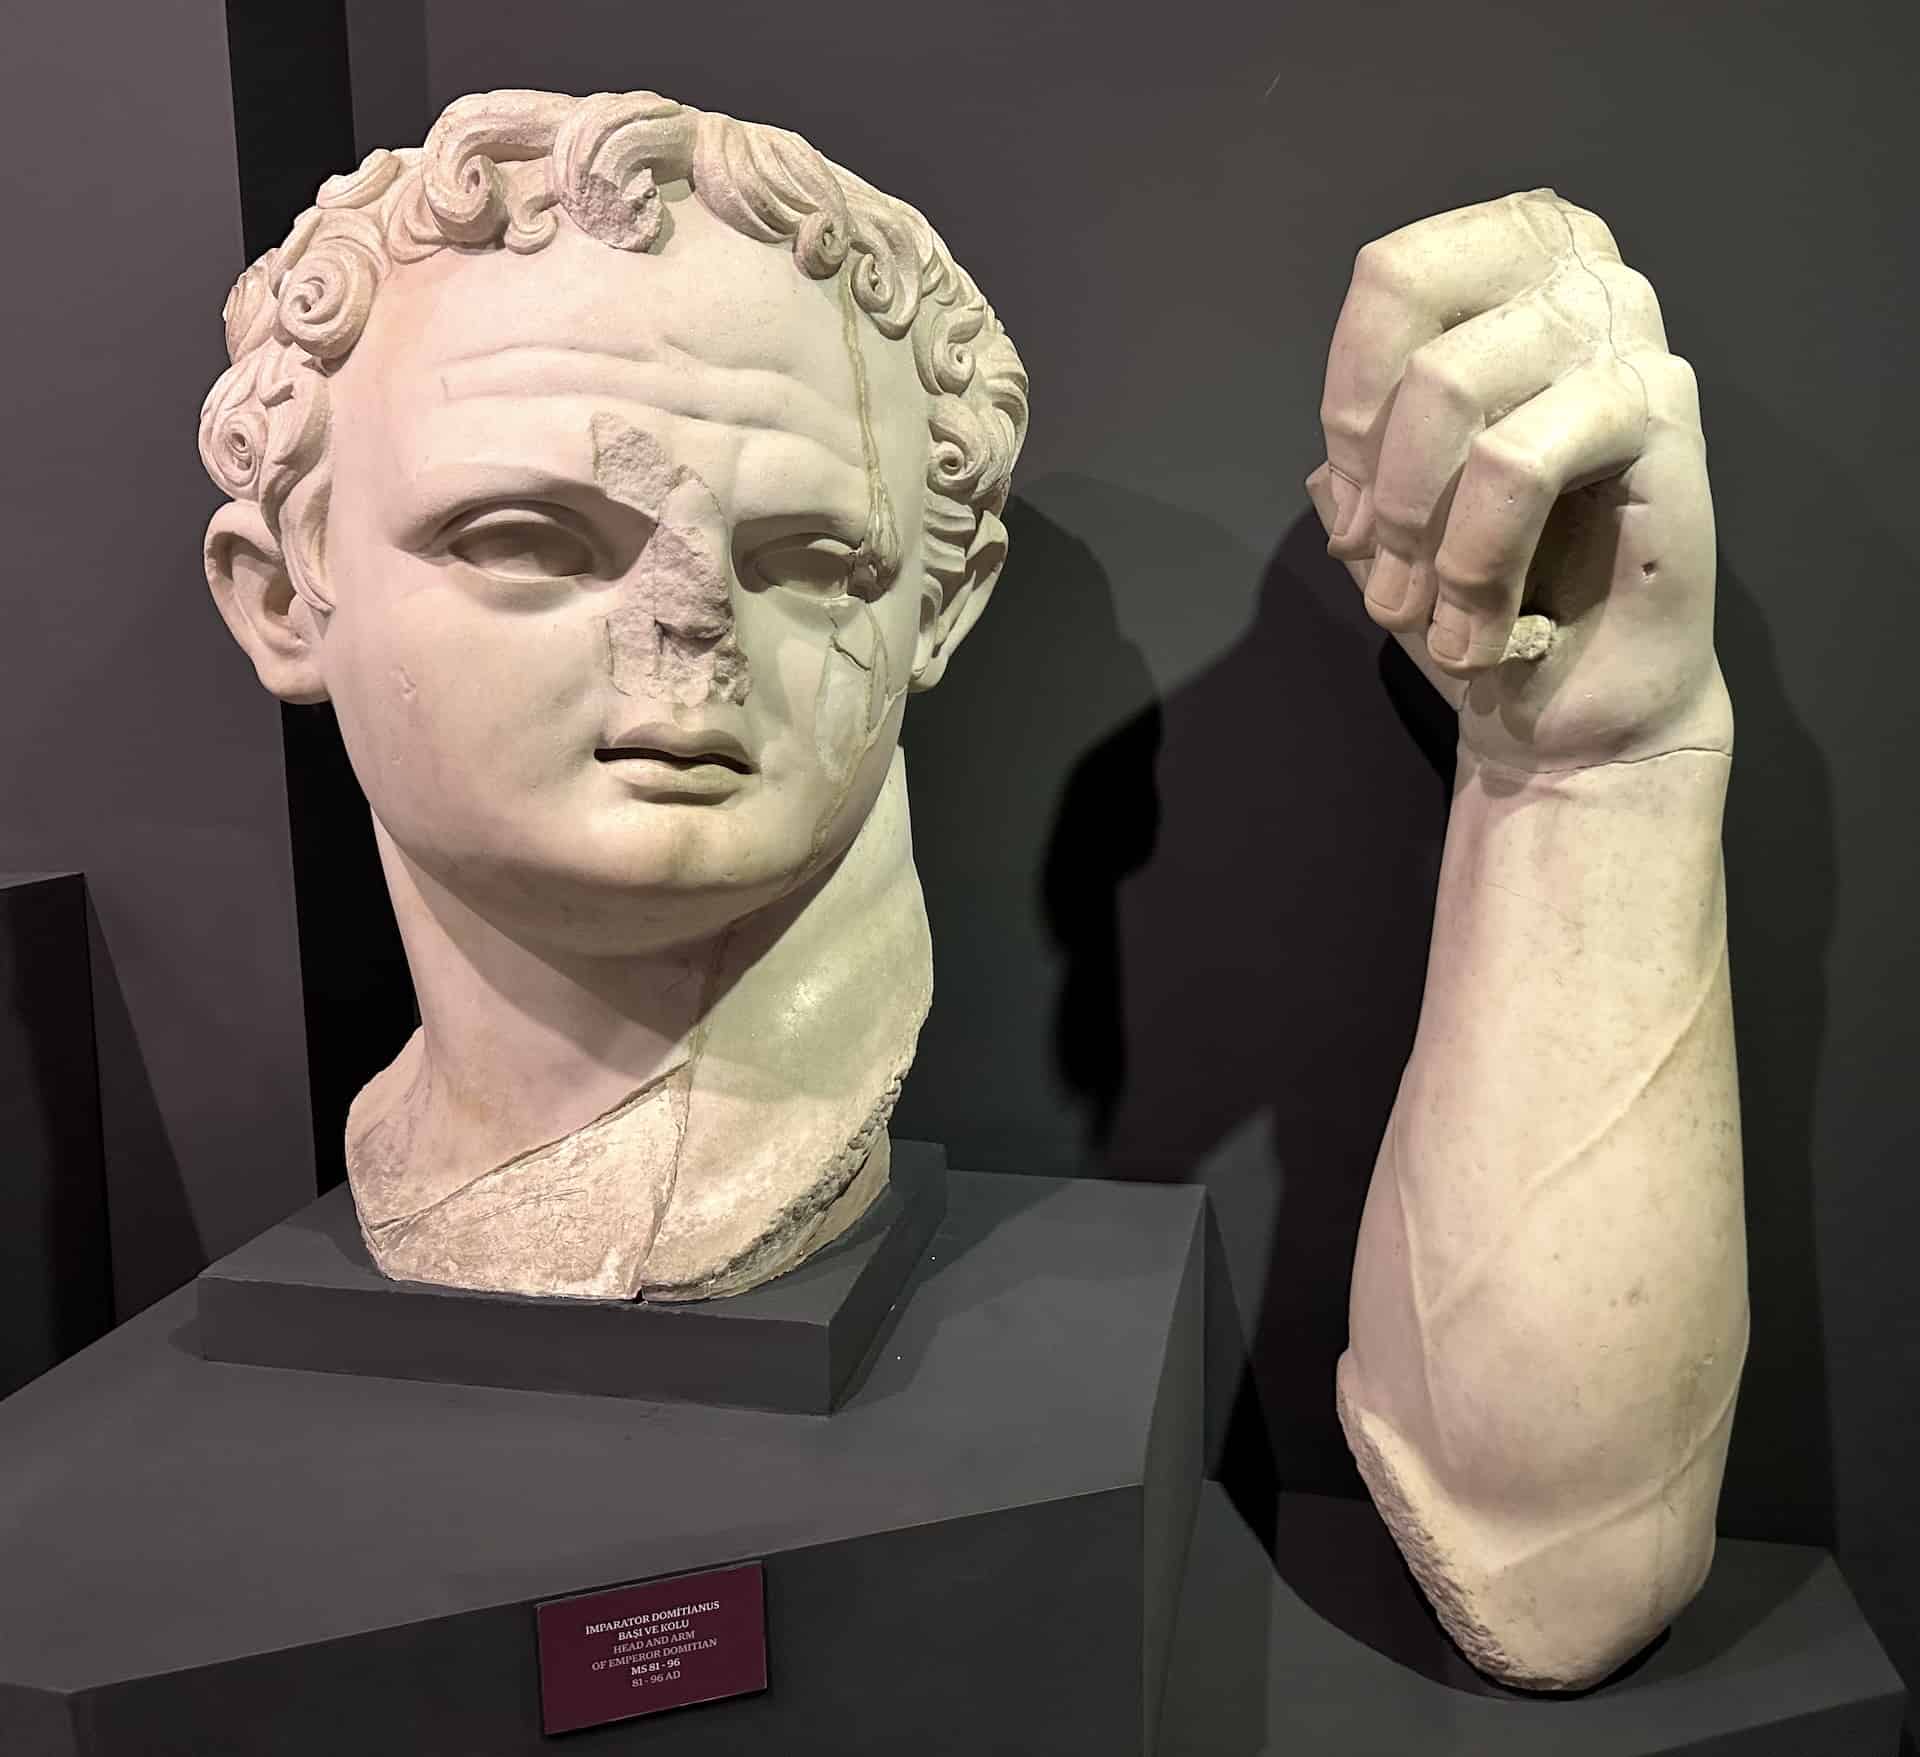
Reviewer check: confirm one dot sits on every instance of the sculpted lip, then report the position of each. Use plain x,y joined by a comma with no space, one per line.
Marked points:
663,761
664,742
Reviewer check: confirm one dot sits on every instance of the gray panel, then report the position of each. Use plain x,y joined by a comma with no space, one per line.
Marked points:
140,749
1175,1465
56,1290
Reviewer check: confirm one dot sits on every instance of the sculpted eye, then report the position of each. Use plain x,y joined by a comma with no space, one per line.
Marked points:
520,543
814,564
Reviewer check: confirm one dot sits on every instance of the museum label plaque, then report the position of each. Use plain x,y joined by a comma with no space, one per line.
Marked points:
607,1656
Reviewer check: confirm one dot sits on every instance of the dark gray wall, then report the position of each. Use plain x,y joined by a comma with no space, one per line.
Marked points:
1177,816
1177,841
138,746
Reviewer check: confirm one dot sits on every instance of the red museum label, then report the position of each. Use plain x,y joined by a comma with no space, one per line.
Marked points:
607,1656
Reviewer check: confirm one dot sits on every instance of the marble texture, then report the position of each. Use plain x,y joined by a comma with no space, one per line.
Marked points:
616,470
1548,1312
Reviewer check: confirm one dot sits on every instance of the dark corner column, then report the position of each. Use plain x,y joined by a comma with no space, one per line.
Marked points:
314,87
387,51
56,1285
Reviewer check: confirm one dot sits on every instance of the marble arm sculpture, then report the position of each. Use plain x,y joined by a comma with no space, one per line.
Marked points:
1548,1314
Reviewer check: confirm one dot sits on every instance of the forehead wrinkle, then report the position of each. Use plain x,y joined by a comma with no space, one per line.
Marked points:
747,398
559,439
442,457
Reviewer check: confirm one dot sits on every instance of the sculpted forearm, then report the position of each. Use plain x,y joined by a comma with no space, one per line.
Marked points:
1549,1296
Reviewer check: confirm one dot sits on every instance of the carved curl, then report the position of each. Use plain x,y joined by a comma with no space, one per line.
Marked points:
248,312
233,431
497,171
462,175
326,287
608,158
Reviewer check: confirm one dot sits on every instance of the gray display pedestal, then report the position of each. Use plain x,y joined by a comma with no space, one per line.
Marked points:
980,1551
305,1294
1327,1650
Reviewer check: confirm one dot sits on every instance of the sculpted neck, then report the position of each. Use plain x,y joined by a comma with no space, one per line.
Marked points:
779,1040
518,1046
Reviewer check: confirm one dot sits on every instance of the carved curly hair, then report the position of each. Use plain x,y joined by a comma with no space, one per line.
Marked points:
497,171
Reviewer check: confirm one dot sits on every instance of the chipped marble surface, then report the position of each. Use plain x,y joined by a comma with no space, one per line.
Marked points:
654,463
618,469
1549,1307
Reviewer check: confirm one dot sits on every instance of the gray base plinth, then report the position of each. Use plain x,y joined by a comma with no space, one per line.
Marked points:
1328,1651
305,1294
978,1552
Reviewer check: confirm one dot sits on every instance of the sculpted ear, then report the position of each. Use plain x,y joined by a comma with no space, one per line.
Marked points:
274,625
943,626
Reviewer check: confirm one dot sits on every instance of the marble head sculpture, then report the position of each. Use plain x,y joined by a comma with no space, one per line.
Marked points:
616,469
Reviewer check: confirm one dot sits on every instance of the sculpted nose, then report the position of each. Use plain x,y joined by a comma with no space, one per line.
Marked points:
671,634
680,580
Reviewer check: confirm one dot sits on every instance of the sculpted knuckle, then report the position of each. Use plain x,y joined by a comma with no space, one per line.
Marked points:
1396,511
1674,389
1680,376
1630,284
1433,376
1511,466
1590,231
1340,420
1379,264
1635,304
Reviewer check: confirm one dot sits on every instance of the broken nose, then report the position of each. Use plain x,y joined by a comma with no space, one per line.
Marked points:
672,636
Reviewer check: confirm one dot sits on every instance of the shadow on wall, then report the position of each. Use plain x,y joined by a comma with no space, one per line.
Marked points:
1241,881
1780,908
1045,675
1238,887
357,991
